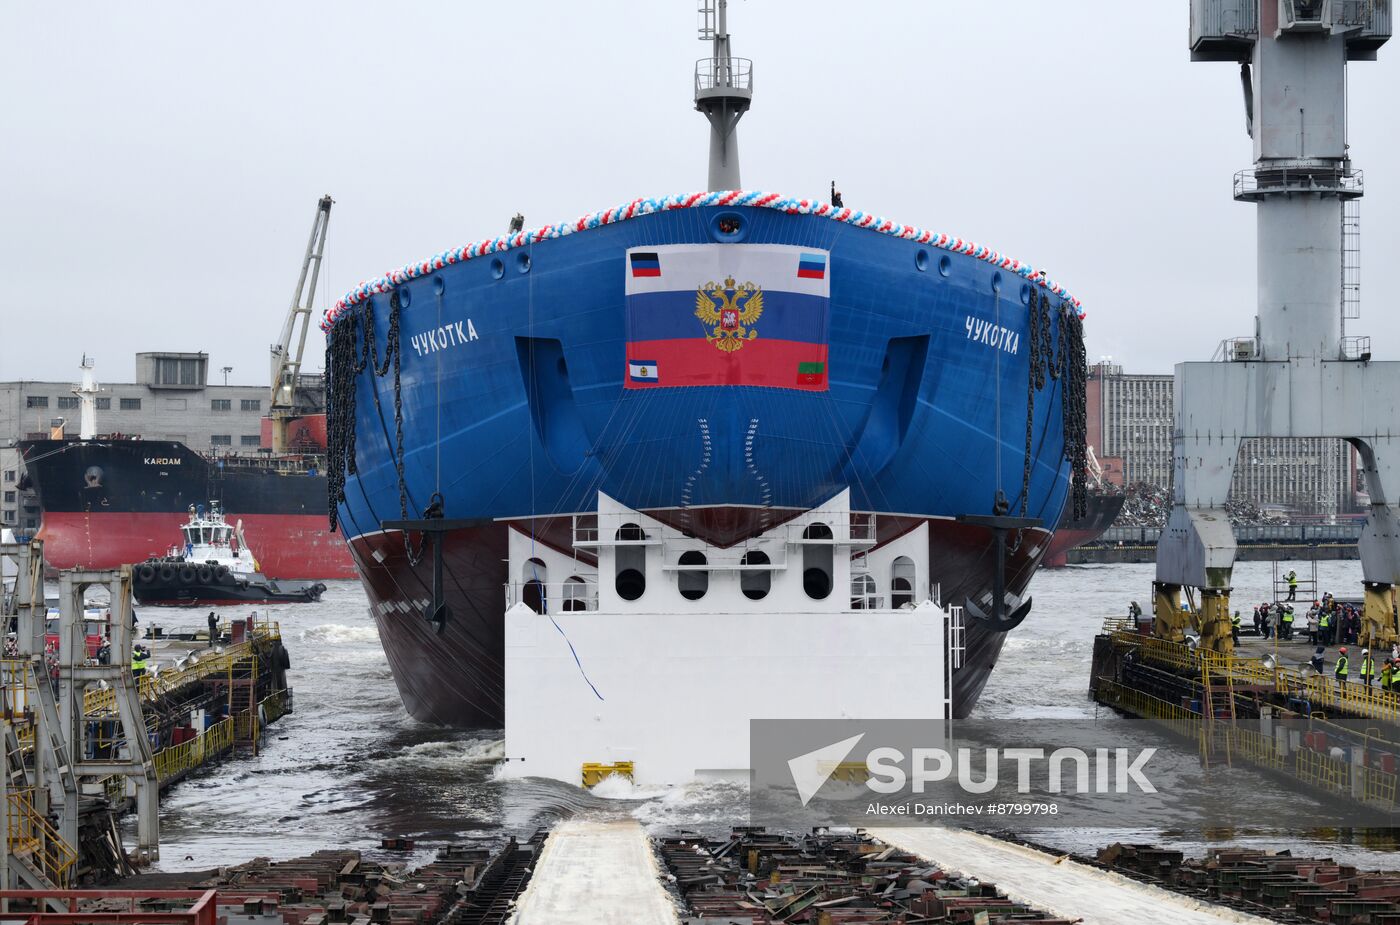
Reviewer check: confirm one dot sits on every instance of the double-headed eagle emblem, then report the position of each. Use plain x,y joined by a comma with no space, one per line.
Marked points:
728,311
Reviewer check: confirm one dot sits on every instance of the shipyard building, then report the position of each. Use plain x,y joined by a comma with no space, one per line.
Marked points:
171,399
1130,429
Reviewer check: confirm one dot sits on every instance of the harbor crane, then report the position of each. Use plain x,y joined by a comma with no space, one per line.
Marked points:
287,390
1298,375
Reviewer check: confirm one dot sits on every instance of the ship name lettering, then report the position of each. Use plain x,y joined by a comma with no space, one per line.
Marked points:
449,335
162,460
992,335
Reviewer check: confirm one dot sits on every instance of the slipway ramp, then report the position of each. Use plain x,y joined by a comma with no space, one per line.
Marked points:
598,872
1065,889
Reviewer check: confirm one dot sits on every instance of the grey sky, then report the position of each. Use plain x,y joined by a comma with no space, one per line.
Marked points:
162,161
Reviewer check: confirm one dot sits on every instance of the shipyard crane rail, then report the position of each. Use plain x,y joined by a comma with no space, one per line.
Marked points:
286,364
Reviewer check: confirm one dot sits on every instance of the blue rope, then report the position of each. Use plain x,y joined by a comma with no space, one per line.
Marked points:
575,655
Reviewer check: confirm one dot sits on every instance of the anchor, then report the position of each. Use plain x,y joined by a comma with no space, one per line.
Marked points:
998,621
433,525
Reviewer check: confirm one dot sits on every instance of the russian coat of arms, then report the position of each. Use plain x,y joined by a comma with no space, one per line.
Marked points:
728,311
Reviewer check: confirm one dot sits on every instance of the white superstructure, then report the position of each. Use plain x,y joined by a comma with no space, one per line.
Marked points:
208,538
642,644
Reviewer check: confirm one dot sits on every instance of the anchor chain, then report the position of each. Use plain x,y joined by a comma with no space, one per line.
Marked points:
344,364
1073,361
1035,378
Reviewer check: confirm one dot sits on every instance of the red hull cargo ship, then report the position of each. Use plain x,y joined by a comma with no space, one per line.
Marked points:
107,502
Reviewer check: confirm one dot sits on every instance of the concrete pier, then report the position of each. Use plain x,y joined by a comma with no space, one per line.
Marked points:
603,872
1055,884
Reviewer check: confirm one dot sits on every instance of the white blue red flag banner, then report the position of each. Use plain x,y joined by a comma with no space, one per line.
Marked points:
727,314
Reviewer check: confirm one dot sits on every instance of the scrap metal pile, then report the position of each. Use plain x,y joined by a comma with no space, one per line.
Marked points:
462,886
1271,885
1149,505
826,878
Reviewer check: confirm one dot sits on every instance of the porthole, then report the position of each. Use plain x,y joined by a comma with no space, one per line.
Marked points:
498,269
996,282
728,227
438,285
945,265
522,263
1025,294
921,261
405,297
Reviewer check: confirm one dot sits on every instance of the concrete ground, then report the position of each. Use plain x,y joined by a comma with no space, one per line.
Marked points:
1055,885
598,872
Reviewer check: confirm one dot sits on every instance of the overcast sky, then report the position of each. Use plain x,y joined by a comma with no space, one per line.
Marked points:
161,161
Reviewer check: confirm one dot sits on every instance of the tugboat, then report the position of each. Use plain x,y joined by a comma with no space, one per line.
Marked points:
213,566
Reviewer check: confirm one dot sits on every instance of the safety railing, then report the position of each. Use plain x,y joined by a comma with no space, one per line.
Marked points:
198,667
177,759
1356,347
1321,692
1254,746
549,597
724,74
1322,771
31,835
1299,178
17,694
274,706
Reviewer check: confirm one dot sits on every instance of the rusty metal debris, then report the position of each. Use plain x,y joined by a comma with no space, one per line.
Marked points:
824,878
1273,885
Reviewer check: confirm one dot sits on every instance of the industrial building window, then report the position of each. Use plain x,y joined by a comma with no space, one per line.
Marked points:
9,496
250,404
9,475
7,517
104,404
175,371
221,404
250,440
36,401
67,401
131,404
221,440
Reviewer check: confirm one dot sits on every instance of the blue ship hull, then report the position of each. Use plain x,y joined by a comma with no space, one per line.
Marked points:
497,387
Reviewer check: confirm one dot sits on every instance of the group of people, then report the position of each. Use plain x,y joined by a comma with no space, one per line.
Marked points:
1327,622
1388,676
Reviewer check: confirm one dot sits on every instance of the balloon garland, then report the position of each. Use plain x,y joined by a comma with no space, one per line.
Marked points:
648,206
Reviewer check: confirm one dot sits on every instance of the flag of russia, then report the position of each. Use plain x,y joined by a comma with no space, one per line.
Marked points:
811,266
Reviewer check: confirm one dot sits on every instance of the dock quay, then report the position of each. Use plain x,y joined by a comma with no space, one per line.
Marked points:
1115,554
89,738
1261,704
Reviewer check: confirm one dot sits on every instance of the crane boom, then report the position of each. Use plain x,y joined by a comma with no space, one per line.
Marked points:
286,365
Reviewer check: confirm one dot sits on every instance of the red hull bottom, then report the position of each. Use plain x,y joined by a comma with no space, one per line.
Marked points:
288,546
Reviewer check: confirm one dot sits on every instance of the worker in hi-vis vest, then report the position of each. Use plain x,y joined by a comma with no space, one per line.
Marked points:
1368,667
1341,670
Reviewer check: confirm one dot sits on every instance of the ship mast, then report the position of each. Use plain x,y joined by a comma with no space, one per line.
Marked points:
87,400
723,91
